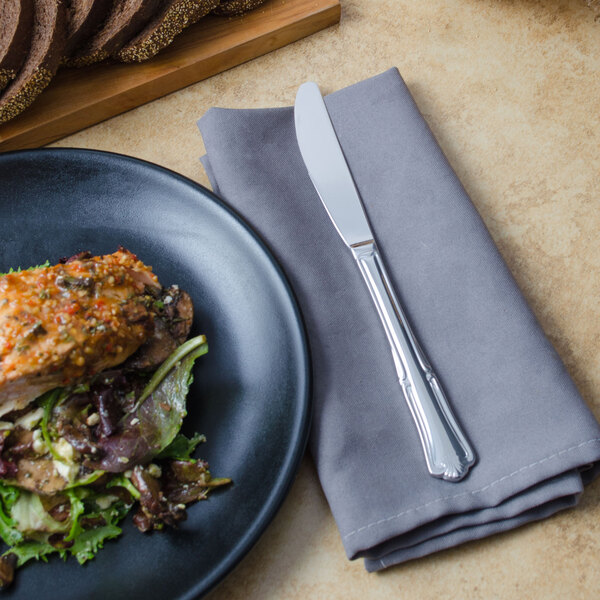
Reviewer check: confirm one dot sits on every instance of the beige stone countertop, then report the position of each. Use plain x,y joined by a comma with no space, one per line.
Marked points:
511,89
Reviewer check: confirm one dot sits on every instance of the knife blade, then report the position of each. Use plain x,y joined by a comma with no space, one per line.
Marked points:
448,453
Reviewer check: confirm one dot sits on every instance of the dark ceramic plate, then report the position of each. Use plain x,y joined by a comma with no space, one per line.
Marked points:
250,393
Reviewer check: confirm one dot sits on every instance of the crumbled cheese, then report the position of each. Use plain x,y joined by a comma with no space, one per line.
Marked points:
64,450
154,470
93,419
31,419
39,445
134,421
67,472
123,460
65,467
168,299
104,502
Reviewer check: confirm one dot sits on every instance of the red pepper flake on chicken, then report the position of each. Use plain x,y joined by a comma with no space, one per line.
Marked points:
63,324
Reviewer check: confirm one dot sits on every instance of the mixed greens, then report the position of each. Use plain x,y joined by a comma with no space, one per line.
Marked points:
80,458
32,268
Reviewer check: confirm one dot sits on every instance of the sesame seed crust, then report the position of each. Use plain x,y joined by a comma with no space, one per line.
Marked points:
163,30
13,105
6,75
237,7
125,19
86,60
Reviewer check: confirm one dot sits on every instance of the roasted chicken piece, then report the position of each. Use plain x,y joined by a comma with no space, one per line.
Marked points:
63,324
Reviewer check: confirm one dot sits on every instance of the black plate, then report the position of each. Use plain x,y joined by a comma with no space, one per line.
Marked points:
250,394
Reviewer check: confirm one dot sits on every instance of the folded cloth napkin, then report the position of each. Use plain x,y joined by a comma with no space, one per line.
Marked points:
536,441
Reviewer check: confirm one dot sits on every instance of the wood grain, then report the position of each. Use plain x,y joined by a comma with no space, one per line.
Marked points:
79,98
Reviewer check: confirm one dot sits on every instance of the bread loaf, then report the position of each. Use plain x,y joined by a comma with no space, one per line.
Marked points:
36,35
236,7
126,19
84,18
172,18
47,44
16,21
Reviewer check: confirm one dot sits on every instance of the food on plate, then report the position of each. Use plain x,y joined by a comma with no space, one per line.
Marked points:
171,19
46,45
16,20
95,366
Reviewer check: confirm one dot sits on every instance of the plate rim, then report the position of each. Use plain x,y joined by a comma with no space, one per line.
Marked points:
293,460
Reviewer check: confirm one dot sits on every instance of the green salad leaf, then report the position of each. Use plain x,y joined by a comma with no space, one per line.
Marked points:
86,542
47,402
90,541
165,405
77,510
33,549
29,516
188,351
8,531
155,423
182,447
18,269
122,481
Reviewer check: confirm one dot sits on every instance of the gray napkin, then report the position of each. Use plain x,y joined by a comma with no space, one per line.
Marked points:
536,441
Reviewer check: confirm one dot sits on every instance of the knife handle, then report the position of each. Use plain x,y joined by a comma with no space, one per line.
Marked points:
447,451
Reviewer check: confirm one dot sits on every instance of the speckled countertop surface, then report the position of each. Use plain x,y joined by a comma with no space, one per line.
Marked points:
511,89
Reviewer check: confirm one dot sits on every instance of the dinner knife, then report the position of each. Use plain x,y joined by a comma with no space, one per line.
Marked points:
447,451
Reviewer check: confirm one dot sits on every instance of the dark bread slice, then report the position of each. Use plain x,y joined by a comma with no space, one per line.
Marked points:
171,19
84,18
16,21
47,44
125,19
236,7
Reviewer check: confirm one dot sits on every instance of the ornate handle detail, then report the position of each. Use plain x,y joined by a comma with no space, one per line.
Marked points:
446,448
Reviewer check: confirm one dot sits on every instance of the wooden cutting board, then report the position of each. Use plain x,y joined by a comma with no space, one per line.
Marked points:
79,98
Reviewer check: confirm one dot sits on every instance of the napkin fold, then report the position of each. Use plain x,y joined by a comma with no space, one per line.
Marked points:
536,441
